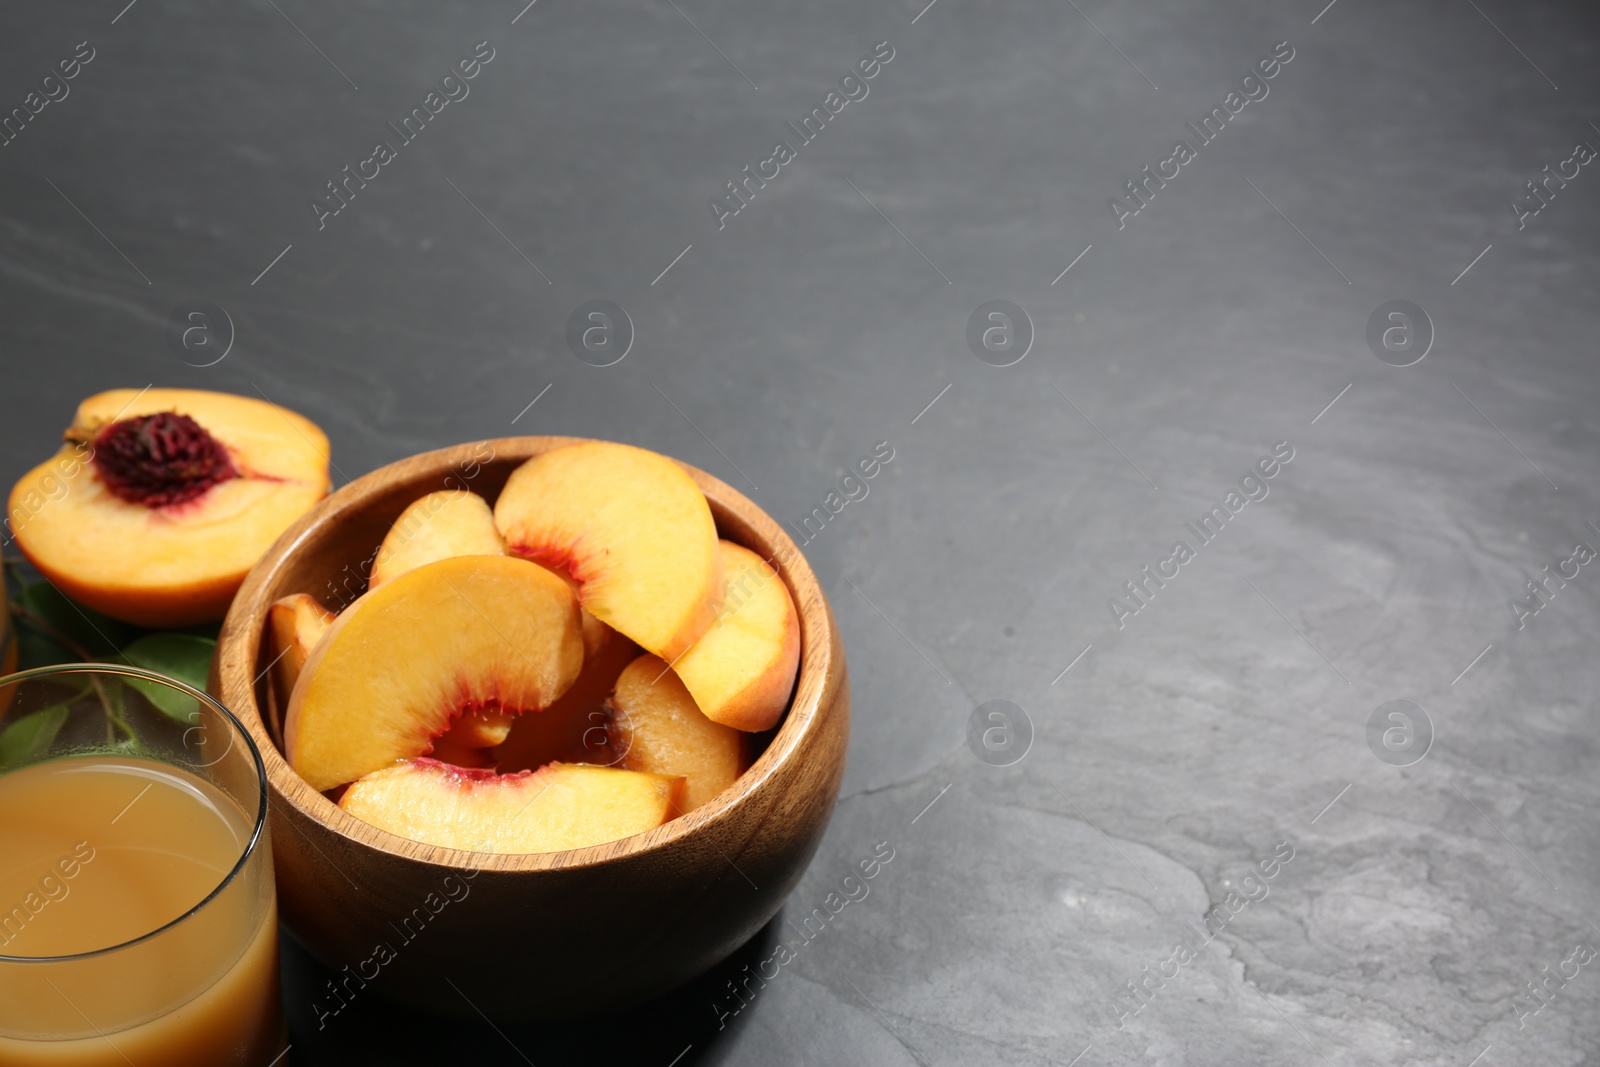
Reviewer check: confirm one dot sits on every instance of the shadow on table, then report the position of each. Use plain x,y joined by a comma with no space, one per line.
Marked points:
371,1030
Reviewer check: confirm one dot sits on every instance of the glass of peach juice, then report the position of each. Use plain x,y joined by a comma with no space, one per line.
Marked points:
138,921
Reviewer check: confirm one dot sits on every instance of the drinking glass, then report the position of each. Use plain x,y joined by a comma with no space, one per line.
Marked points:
138,921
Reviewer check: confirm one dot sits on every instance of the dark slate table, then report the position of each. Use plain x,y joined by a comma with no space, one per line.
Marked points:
1157,762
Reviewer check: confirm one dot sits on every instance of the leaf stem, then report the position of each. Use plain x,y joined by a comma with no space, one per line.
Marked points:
51,631
113,714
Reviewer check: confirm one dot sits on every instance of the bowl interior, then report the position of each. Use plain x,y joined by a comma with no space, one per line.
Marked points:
329,551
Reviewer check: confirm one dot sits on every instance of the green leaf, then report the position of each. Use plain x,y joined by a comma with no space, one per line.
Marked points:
186,657
98,634
30,736
181,656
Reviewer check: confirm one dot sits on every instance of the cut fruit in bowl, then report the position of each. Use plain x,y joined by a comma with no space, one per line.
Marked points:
742,671
575,728
456,522
561,806
407,660
297,623
456,755
630,527
438,526
540,936
162,500
655,726
480,727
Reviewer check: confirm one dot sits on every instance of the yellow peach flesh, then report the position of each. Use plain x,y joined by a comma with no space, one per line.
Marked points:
178,564
631,527
296,623
656,727
742,671
558,807
437,526
408,658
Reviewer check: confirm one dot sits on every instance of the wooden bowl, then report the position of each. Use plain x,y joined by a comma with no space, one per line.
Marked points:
544,936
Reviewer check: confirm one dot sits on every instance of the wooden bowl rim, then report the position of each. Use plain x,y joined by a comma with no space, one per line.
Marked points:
243,629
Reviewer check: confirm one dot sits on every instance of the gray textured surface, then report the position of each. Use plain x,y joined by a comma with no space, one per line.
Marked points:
1180,749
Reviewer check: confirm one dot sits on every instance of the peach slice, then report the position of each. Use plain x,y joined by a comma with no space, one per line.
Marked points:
742,671
656,727
297,623
454,522
437,526
558,807
482,727
163,499
596,634
630,527
457,755
407,659
573,729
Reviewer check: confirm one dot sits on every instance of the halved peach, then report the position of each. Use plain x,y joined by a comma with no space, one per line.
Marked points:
297,623
630,527
574,728
742,671
656,727
448,523
558,807
409,658
163,499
